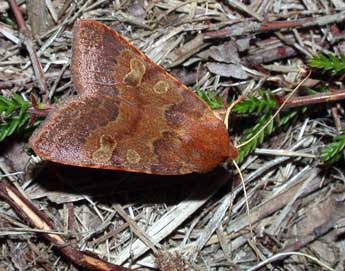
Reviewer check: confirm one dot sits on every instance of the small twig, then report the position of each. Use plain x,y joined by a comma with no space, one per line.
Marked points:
53,88
27,40
314,235
228,110
37,13
280,256
33,216
336,118
238,5
134,227
254,27
28,81
319,98
316,99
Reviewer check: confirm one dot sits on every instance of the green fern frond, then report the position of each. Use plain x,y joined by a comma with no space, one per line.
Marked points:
332,152
328,62
14,115
215,102
265,103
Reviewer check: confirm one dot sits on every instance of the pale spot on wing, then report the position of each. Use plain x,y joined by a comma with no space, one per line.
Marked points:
136,73
196,155
133,157
105,150
161,87
184,170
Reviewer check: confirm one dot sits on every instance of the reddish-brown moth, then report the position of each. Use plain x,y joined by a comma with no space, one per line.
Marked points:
130,114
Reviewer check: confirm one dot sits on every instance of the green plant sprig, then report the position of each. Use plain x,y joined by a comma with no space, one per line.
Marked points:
14,115
330,63
264,103
333,151
257,135
215,102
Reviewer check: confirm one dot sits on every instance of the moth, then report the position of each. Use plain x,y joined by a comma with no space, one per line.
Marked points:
129,114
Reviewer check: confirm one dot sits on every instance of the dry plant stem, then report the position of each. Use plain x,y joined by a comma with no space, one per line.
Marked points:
278,25
305,240
37,13
169,222
271,205
298,101
30,47
134,227
238,5
33,216
316,99
28,81
228,110
336,118
279,256
270,55
284,253
246,198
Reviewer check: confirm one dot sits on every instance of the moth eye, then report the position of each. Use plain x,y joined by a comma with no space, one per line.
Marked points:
161,87
105,150
133,157
136,73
